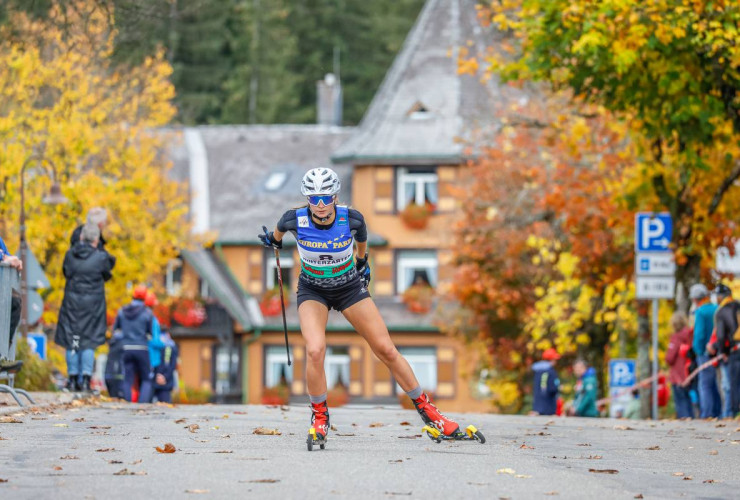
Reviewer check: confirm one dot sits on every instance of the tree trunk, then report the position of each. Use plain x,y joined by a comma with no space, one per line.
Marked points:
643,355
687,275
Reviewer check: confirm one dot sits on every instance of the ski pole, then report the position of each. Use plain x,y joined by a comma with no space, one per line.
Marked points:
282,299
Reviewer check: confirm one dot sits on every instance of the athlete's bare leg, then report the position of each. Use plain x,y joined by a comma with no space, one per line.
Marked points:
366,319
313,316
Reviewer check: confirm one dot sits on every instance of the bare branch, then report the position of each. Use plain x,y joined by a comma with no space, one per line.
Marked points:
729,180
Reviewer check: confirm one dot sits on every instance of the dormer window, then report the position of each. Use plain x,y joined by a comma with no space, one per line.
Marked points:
275,181
419,112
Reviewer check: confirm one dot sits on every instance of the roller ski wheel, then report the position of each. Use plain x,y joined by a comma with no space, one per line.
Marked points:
314,440
471,434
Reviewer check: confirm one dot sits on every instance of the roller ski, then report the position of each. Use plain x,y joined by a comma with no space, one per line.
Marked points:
319,426
440,428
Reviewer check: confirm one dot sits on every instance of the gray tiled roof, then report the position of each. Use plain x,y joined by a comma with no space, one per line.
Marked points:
210,268
241,159
460,109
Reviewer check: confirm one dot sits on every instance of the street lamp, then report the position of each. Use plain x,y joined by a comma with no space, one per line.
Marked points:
55,197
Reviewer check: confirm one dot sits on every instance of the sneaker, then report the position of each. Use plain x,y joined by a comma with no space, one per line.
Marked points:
10,366
86,383
320,419
432,416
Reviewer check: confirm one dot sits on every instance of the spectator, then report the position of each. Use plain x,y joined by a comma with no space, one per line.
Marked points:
155,344
709,400
677,358
164,374
114,366
728,335
586,387
135,323
632,411
82,322
546,384
97,216
15,309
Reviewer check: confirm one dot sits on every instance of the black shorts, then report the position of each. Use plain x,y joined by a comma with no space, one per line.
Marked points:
339,298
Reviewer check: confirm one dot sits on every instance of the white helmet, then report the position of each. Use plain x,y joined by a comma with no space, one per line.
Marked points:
320,181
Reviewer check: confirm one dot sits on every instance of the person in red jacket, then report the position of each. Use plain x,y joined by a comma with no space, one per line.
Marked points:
677,358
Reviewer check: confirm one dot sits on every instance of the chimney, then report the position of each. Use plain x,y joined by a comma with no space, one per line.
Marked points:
329,100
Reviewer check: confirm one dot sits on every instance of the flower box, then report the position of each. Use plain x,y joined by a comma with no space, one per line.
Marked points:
416,216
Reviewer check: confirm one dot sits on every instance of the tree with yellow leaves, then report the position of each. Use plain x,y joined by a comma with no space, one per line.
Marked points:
65,105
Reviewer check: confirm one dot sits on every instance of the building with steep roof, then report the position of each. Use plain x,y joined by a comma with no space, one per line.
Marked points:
398,168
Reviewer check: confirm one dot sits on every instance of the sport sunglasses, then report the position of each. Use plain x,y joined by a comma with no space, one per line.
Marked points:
326,199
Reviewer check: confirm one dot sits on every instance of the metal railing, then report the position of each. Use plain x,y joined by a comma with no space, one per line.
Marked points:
8,282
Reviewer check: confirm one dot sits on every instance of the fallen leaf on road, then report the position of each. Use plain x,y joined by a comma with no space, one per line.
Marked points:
706,481
714,452
263,431
677,474
354,424
584,444
523,476
551,493
3,480
653,448
181,420
192,427
506,471
225,416
99,427
240,413
215,428
69,457
344,435
285,408
225,436
57,467
137,461
623,428
264,481
525,447
115,462
197,491
334,427
377,424
168,448
688,478
81,419
639,495
395,461
479,484
721,425
405,423
604,471
223,451
61,425
594,457
126,472
413,436
398,493
549,422
103,450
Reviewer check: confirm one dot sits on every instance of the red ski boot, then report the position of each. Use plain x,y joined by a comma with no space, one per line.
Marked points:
432,416
319,425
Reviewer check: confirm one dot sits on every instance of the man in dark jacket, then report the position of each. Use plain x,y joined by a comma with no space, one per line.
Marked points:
114,366
164,374
82,322
135,323
97,216
728,337
15,308
546,384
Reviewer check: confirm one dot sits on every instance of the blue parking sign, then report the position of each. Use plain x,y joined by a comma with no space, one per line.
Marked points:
622,372
653,232
37,341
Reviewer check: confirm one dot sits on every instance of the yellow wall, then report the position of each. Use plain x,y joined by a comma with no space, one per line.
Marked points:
195,362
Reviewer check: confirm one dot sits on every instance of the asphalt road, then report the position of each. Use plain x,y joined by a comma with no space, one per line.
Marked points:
107,451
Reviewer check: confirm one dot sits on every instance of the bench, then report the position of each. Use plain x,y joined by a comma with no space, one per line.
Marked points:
8,282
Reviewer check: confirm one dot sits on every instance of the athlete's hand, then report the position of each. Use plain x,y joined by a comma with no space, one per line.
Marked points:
363,269
269,240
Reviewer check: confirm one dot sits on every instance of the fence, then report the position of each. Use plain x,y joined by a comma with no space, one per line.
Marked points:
8,282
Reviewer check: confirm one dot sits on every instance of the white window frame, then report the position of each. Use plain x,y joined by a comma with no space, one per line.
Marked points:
286,267
335,365
404,262
420,179
173,288
422,363
275,357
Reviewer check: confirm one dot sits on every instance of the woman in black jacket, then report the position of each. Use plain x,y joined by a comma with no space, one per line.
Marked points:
81,326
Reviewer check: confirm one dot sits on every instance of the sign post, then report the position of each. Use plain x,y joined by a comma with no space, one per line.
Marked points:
622,376
655,272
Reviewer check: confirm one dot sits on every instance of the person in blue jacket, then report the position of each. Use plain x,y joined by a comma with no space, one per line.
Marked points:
710,403
546,384
155,345
586,390
164,374
135,323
